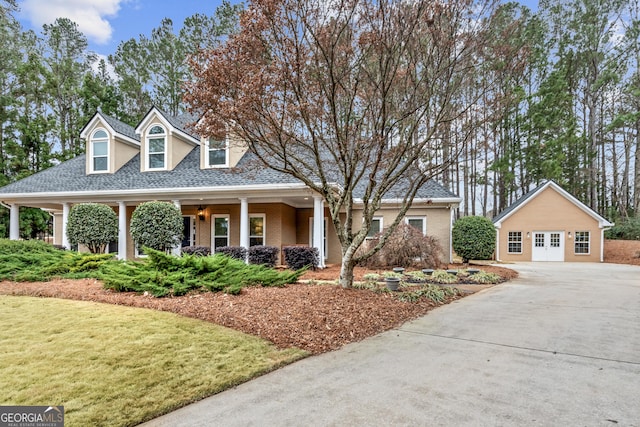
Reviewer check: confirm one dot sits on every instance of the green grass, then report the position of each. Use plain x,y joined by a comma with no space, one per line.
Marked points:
118,366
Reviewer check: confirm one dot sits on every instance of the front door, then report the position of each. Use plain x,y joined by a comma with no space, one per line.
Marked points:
548,246
189,231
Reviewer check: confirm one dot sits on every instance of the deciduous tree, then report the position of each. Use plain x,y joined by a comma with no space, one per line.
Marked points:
350,97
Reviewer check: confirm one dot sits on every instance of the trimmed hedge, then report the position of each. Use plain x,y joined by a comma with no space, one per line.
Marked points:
263,255
157,225
93,225
297,257
474,237
196,250
235,252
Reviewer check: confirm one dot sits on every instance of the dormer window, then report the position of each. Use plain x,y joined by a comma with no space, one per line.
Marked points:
100,151
217,153
156,148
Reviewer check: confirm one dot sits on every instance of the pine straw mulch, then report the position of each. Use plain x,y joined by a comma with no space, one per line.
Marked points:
313,317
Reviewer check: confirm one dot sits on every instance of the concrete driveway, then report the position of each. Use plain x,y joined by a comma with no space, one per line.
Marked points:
558,346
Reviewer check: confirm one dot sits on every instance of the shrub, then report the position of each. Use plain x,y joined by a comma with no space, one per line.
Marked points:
157,225
235,252
441,276
297,257
93,225
474,237
33,260
196,250
263,255
485,278
627,230
161,274
405,247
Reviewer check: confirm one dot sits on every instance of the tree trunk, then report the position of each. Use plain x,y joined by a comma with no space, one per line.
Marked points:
636,184
346,268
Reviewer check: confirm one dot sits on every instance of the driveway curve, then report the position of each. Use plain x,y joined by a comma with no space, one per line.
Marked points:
560,345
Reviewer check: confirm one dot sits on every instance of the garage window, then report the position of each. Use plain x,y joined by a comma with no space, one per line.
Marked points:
582,243
515,242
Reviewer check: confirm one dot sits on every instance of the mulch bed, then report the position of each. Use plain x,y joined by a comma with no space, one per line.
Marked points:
316,318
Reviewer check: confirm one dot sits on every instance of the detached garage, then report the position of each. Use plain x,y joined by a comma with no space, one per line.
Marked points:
549,224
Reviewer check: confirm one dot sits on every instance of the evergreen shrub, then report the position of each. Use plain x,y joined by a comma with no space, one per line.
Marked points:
474,237
93,225
157,225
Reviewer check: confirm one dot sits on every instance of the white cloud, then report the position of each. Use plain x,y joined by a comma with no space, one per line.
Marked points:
90,15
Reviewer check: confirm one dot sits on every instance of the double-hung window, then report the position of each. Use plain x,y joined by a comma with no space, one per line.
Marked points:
418,222
514,244
220,231
217,153
100,151
582,243
376,226
256,230
157,148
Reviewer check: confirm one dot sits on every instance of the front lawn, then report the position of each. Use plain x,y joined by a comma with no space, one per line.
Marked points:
117,366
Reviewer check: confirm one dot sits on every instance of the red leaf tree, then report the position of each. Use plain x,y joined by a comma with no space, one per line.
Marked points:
351,97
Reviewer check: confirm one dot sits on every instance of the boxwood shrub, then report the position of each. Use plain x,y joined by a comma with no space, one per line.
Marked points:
474,237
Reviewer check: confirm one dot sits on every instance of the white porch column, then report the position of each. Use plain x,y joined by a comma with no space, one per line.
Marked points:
14,222
65,218
244,222
177,249
318,228
122,230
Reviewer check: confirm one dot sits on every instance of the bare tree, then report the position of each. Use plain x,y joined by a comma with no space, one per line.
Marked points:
351,97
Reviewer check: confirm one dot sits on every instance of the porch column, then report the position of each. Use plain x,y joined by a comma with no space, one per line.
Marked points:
14,222
65,218
177,249
318,228
244,222
122,230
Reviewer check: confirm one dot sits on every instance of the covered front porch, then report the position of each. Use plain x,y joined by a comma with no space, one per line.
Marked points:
281,218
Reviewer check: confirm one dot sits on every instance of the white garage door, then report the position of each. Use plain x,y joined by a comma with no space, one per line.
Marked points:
548,246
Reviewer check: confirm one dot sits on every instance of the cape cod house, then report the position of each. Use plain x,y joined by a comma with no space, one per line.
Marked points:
225,197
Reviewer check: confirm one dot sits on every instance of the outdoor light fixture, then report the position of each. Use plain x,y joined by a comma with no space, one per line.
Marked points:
201,213
528,235
569,234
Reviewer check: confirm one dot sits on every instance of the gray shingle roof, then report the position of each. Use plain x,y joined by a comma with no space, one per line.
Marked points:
121,127
70,177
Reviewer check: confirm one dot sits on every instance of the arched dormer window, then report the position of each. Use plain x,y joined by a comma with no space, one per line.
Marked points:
100,151
157,148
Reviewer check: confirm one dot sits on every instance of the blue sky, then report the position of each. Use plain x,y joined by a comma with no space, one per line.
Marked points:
106,23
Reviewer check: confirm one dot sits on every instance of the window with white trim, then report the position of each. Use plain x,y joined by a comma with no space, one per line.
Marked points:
217,153
582,243
256,230
100,151
156,148
514,242
376,226
417,222
219,232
